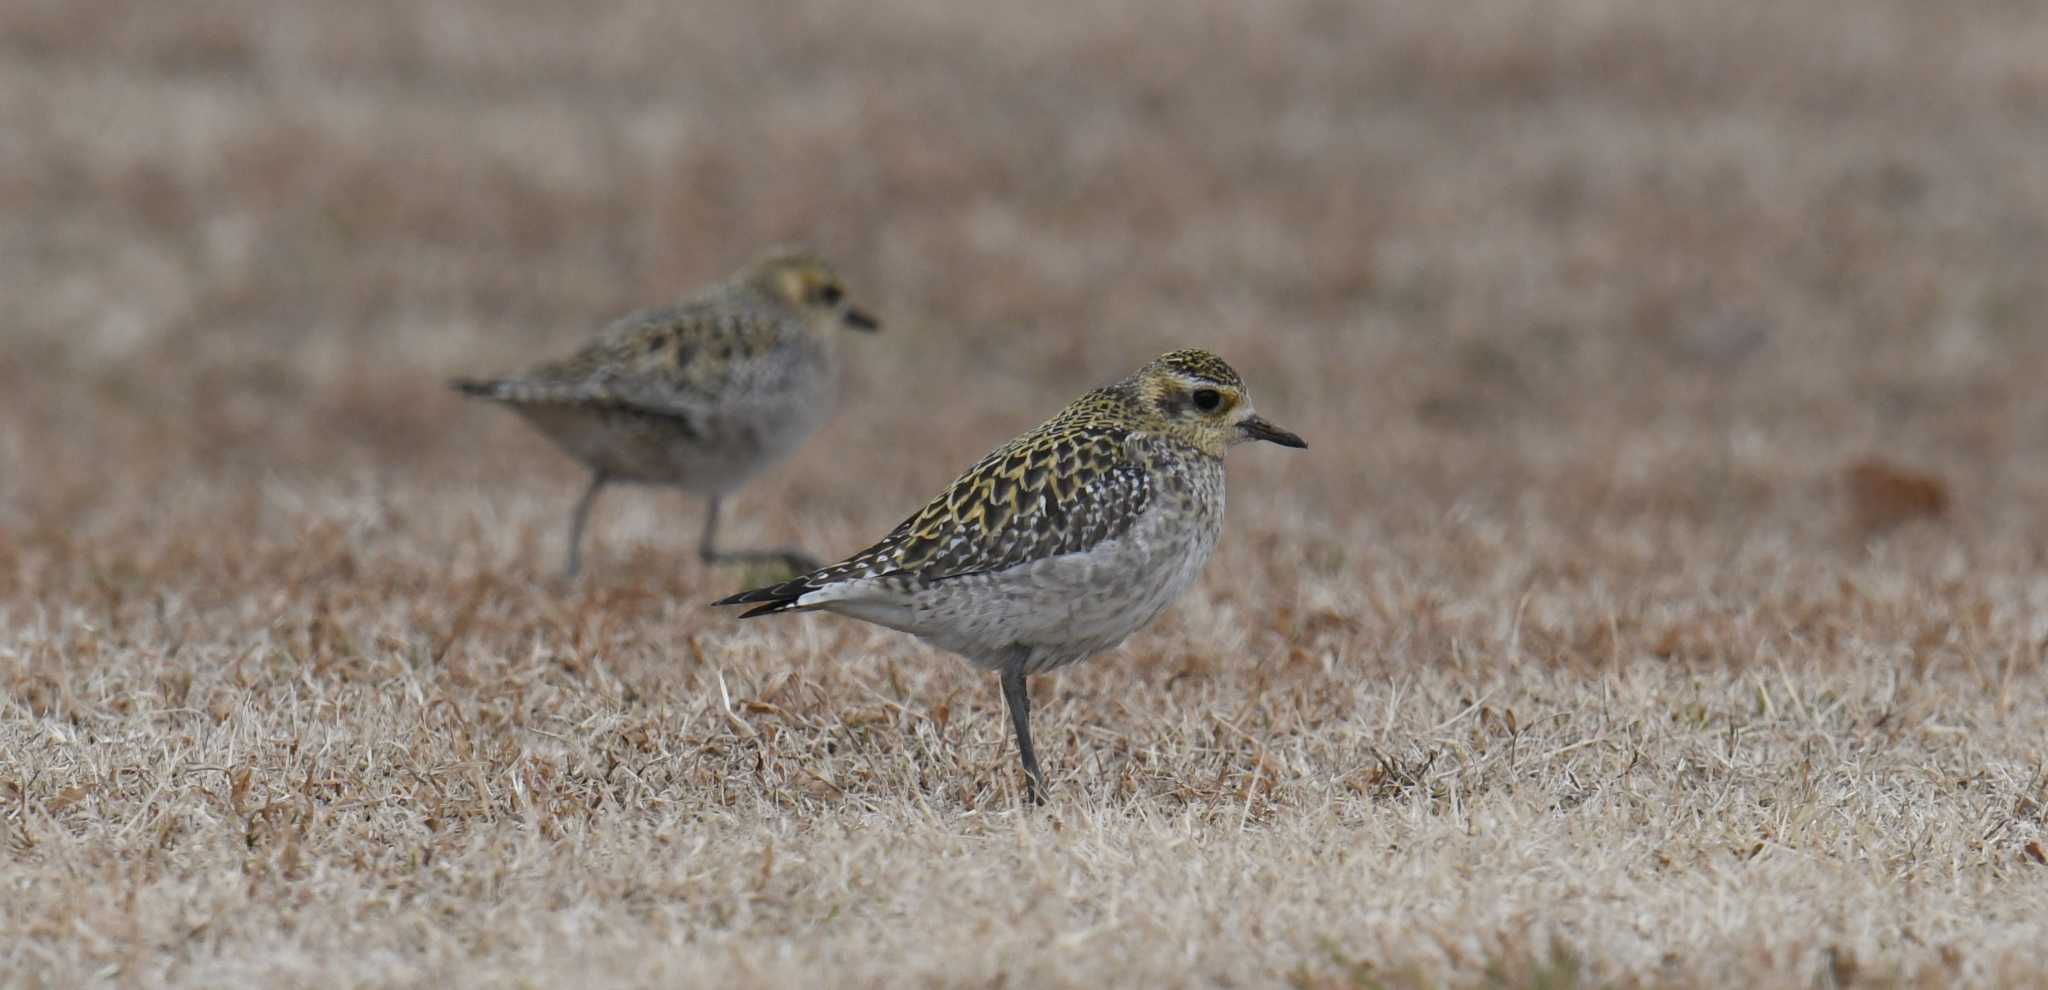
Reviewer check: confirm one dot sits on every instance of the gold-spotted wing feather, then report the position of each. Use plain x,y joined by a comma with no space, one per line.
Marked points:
670,361
1063,488
1046,494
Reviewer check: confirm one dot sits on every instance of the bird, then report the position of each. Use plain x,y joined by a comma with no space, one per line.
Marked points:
1061,543
701,394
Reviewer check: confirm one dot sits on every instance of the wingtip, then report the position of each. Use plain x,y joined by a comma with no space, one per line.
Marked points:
472,386
769,600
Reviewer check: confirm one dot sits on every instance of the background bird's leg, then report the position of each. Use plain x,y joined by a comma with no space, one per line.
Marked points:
707,543
707,548
577,517
1018,696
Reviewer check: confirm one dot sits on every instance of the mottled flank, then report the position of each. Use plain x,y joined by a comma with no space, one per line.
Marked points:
701,395
1062,542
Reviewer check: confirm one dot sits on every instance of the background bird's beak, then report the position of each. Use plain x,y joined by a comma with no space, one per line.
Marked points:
861,321
1257,428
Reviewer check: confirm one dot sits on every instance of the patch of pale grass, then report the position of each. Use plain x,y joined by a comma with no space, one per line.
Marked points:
379,773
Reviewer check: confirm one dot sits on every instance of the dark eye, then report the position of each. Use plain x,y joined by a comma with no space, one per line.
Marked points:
830,295
1208,399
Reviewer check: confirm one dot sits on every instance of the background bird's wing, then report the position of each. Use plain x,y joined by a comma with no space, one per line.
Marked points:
677,360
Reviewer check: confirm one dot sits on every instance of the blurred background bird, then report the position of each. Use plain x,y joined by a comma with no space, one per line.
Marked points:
701,395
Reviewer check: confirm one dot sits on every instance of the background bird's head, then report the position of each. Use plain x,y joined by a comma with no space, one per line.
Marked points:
1195,396
806,283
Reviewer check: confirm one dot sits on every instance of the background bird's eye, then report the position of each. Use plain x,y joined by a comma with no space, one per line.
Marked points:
830,295
1207,399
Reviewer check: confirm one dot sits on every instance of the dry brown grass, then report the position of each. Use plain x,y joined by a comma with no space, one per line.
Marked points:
1570,654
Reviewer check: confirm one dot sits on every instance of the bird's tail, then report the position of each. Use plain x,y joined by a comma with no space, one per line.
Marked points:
532,392
477,387
774,598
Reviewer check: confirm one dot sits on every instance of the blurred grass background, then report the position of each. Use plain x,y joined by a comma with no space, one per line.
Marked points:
1689,246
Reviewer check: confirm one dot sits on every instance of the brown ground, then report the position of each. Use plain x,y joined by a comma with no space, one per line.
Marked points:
1663,600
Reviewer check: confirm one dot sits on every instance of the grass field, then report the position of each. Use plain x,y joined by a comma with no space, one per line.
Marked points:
1663,599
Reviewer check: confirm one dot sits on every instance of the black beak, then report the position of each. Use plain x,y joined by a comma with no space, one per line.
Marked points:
1256,428
861,321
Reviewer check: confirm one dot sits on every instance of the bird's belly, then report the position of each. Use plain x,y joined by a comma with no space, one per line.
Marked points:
709,452
738,446
1067,608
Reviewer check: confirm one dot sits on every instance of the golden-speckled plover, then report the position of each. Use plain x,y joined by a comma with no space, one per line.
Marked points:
702,394
1061,542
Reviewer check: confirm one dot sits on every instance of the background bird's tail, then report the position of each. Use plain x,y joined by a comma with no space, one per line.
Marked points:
476,387
532,392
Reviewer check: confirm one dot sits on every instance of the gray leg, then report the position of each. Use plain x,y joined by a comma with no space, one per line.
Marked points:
707,542
577,517
707,547
1018,696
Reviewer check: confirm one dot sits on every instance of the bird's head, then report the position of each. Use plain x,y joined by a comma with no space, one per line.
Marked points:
1196,397
804,282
